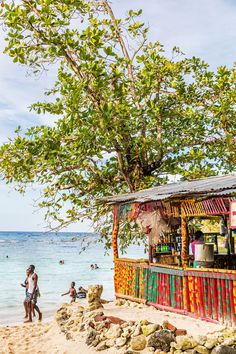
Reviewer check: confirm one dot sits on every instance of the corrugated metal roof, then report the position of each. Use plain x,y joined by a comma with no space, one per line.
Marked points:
212,185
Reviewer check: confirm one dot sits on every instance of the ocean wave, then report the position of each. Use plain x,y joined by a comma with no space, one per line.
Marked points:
9,241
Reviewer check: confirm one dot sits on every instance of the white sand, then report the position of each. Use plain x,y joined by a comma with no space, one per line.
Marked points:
46,338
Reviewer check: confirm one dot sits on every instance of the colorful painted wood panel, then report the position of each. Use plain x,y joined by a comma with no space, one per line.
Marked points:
206,294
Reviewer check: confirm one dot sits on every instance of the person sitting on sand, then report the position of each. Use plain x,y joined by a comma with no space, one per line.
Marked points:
81,294
71,292
96,266
32,293
92,267
62,261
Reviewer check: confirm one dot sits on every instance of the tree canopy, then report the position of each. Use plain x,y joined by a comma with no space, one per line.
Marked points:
127,115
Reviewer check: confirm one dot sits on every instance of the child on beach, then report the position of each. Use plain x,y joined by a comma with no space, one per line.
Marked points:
72,292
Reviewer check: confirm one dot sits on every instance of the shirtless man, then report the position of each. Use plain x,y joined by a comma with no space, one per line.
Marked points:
32,293
71,292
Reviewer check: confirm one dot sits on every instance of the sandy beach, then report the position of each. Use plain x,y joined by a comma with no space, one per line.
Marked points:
46,338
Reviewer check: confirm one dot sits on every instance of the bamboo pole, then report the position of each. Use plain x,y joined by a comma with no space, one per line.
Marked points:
184,241
115,231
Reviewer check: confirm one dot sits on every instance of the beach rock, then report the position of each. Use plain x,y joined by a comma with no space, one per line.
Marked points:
124,325
223,349
94,297
180,332
178,351
144,322
95,342
111,319
137,331
138,342
91,324
211,342
91,336
229,333
151,349
119,302
161,339
110,343
229,341
68,336
201,349
149,329
101,346
100,326
130,352
131,323
79,309
120,342
185,342
201,339
126,332
113,332
190,351
169,326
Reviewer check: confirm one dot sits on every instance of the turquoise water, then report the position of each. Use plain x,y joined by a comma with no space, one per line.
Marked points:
45,251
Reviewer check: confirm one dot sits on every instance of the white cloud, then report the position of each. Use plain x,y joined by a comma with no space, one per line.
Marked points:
205,28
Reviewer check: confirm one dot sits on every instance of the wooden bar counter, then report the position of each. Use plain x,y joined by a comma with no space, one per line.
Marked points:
209,294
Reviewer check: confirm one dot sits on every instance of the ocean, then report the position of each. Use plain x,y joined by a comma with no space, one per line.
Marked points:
20,249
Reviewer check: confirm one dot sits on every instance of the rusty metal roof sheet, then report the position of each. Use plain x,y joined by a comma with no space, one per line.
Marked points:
216,185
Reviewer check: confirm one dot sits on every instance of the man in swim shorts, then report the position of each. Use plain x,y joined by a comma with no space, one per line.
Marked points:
31,296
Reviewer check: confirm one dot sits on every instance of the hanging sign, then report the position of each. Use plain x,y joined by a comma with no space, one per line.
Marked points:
232,214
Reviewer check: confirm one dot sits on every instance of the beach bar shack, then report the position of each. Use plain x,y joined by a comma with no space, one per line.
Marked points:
171,279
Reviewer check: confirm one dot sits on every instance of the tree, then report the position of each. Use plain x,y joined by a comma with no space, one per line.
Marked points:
128,115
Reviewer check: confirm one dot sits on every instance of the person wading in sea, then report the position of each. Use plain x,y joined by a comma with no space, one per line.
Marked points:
32,293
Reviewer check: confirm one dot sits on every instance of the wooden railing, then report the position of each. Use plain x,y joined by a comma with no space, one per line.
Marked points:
208,294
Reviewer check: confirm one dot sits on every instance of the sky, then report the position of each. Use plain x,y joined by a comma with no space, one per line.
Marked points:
203,28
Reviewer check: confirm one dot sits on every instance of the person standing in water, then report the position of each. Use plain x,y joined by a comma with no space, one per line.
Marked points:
72,292
32,293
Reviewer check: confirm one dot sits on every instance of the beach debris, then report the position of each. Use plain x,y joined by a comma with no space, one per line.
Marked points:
94,297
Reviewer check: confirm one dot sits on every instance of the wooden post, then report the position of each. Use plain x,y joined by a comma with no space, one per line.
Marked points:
184,232
115,246
150,249
115,231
